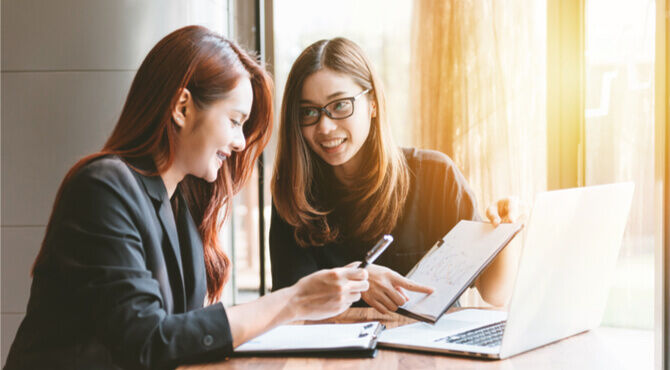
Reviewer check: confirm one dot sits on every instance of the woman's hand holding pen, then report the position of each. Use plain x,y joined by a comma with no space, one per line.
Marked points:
385,294
328,293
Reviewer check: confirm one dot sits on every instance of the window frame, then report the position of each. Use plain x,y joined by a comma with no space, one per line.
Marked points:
566,133
662,190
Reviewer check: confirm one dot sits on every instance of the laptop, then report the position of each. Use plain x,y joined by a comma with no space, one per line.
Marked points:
569,255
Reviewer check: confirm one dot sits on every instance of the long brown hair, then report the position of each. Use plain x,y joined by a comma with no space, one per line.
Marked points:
300,185
209,66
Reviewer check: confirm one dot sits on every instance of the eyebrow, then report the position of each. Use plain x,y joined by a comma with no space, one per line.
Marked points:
331,96
244,114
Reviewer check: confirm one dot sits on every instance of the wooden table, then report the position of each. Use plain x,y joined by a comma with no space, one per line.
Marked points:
602,348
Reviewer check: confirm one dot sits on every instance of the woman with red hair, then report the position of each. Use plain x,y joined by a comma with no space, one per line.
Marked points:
131,270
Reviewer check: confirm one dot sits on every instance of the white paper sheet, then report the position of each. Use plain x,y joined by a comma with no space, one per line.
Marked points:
313,337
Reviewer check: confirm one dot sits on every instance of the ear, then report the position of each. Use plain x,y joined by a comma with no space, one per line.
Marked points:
182,108
373,109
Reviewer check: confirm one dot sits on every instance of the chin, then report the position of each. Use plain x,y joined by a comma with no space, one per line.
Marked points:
211,175
338,161
333,160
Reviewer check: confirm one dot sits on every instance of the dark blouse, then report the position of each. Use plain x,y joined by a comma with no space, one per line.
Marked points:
439,197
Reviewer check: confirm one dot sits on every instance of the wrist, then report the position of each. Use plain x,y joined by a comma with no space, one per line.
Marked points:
290,310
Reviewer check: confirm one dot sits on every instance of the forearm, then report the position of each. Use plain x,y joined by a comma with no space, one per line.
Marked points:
496,282
251,319
320,295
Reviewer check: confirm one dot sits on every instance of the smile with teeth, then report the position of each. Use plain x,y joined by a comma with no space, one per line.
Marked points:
333,143
221,156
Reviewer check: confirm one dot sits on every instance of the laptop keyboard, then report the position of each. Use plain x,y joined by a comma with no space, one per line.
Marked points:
487,336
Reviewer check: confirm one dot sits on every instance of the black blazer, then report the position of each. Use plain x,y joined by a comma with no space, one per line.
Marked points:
121,284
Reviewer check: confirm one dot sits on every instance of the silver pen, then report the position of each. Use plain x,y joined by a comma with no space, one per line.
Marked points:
377,250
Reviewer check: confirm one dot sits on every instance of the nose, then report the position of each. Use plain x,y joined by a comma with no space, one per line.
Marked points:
239,141
325,124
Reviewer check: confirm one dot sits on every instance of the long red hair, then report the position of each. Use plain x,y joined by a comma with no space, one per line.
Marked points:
209,66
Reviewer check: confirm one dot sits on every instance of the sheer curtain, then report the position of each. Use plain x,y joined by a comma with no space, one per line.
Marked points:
478,87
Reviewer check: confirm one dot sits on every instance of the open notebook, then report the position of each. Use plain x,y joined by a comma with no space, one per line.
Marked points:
453,264
341,340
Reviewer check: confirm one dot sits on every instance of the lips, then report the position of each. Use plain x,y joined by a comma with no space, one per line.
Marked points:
221,157
333,143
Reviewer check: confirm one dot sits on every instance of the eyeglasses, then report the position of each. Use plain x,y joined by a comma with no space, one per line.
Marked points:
336,109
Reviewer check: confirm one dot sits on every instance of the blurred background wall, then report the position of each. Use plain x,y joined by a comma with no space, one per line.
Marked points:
66,69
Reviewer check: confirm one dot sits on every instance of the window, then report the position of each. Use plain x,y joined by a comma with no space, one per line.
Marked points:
612,125
619,140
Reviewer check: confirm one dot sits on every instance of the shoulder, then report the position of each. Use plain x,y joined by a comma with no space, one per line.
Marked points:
107,174
438,181
420,160
102,194
432,169
108,169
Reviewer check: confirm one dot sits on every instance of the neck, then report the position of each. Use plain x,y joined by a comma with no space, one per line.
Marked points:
171,178
344,175
346,172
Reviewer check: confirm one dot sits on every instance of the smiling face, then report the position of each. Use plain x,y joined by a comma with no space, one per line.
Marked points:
336,141
209,136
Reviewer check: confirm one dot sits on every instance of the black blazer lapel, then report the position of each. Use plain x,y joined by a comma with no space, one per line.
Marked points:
166,217
157,192
195,277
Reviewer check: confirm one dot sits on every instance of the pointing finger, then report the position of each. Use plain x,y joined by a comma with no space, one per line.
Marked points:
410,285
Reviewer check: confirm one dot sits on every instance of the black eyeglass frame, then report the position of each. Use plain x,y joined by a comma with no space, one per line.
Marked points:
323,109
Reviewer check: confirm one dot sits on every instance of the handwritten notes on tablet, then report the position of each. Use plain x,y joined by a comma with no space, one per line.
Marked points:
453,264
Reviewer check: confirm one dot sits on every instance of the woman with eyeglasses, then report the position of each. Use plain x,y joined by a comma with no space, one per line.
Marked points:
131,270
340,182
